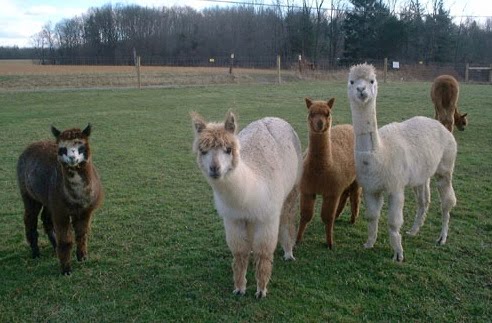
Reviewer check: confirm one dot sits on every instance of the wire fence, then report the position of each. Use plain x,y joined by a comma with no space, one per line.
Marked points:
402,70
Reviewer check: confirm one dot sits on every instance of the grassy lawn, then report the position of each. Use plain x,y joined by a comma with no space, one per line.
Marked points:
157,251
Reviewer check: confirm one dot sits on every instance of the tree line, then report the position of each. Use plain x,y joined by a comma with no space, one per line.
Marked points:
334,33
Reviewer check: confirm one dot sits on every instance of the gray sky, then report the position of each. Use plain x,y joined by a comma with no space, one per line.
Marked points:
20,19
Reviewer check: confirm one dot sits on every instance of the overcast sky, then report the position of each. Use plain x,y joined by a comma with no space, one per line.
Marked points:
20,19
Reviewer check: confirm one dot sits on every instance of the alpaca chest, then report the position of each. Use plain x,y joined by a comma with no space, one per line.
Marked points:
371,174
254,205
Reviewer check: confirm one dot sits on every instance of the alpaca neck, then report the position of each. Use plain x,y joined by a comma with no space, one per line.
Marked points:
238,187
78,184
319,147
365,126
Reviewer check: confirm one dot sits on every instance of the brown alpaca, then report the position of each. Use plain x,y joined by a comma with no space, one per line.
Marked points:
60,178
329,169
444,95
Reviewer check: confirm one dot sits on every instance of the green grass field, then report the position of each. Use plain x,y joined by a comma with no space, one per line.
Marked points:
157,251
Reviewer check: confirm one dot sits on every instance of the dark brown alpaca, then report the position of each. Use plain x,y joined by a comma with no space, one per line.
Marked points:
444,95
60,180
329,169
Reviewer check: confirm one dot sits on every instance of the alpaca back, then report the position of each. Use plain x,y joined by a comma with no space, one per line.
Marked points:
272,149
445,92
417,148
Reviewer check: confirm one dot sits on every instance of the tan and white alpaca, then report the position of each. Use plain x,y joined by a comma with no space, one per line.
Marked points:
444,94
254,176
395,156
60,178
329,169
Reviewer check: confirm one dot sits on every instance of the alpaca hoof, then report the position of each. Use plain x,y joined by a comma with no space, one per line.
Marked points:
412,233
261,294
289,257
368,245
35,254
329,246
441,241
81,256
398,257
239,291
66,271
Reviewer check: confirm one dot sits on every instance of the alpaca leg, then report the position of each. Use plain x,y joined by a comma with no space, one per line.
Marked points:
395,221
240,246
264,243
307,211
448,201
81,227
63,243
330,205
343,202
355,193
422,193
31,211
48,227
374,203
287,228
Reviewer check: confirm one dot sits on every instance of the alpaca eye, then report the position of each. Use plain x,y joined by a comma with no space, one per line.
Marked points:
352,82
62,151
228,150
82,150
203,152
372,81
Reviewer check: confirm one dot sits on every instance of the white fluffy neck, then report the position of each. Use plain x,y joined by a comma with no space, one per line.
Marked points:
238,187
365,125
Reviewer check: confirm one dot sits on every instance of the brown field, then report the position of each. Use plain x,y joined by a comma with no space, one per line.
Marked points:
24,75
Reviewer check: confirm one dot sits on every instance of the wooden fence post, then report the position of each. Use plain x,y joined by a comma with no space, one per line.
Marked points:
385,69
232,63
300,64
278,69
138,72
466,72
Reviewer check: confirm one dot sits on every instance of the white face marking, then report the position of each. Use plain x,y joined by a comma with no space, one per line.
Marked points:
70,152
216,162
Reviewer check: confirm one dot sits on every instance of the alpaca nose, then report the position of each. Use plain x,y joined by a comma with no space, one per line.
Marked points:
361,88
214,171
320,124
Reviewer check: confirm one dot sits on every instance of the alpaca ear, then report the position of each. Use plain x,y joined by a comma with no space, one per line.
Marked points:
230,122
55,132
87,130
198,122
309,102
464,115
331,102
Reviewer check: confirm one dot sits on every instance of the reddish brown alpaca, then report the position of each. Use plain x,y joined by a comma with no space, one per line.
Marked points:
444,95
329,169
59,178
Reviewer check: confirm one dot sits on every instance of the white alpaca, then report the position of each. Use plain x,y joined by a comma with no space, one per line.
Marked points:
254,176
395,156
